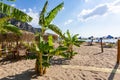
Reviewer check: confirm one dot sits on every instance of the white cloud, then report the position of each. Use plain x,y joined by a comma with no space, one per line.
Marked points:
100,10
86,1
13,5
114,7
68,22
35,16
24,10
63,8
30,10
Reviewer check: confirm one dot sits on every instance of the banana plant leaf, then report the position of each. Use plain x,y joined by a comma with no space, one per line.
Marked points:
14,12
52,14
42,15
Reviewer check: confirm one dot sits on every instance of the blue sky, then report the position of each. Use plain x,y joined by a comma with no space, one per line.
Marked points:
85,17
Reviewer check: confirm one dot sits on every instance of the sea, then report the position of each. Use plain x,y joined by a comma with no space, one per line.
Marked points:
104,40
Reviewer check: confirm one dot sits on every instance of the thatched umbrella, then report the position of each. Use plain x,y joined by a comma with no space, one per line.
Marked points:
27,36
45,37
12,37
3,37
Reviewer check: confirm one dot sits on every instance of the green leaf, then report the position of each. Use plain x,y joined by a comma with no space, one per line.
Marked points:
52,14
42,15
56,30
59,50
46,64
50,40
68,34
37,48
14,12
12,28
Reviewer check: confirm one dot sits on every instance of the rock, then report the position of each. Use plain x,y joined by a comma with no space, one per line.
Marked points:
22,25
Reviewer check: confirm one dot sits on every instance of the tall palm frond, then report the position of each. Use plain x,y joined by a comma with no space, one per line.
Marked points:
52,14
14,12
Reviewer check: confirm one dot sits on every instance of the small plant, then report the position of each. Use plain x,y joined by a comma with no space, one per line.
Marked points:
48,51
69,42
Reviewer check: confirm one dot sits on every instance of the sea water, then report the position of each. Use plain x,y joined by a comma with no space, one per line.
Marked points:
104,40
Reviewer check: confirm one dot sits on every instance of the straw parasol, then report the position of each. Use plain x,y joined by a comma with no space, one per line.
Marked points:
12,37
45,37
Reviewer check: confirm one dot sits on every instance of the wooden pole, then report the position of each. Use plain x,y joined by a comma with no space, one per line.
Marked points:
118,53
0,50
101,45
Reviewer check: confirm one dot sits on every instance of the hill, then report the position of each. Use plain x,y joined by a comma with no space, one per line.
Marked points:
22,25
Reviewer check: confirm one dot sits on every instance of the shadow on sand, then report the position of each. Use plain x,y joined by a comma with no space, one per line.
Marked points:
7,60
59,61
26,75
98,53
111,76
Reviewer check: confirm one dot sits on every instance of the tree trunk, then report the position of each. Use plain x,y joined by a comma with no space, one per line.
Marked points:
40,66
70,50
36,66
0,50
44,71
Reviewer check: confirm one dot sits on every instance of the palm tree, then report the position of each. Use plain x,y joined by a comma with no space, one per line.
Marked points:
45,23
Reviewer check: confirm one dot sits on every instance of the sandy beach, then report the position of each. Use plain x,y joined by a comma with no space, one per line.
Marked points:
88,64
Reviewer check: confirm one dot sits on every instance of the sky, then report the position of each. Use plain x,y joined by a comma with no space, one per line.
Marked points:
84,17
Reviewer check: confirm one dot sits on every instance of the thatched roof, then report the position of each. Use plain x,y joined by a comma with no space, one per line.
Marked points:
27,36
54,36
12,37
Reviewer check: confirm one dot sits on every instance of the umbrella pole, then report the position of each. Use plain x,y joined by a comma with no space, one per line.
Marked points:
101,45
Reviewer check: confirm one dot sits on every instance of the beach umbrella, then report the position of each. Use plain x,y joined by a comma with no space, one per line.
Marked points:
109,37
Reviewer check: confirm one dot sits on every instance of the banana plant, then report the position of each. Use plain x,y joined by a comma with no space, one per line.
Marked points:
13,12
70,41
45,23
48,51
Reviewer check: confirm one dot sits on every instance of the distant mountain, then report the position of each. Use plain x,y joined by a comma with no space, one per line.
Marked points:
22,25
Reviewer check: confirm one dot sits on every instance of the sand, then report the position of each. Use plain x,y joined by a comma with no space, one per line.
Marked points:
88,64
